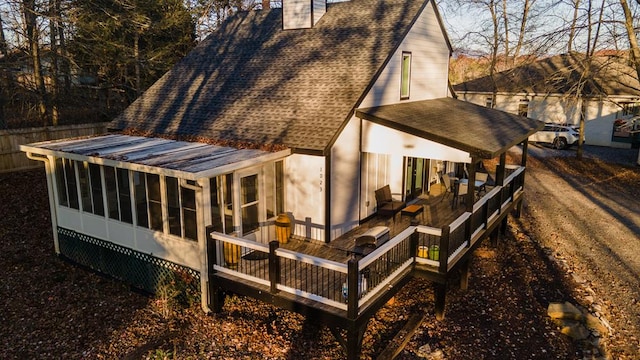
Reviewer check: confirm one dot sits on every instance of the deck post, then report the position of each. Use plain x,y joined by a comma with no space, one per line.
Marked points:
352,287
216,295
494,237
464,274
413,240
355,334
440,292
274,266
444,250
501,169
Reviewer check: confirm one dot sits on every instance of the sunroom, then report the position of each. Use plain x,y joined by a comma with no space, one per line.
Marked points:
135,207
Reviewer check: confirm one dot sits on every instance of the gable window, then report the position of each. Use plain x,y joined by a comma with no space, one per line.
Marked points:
405,75
523,107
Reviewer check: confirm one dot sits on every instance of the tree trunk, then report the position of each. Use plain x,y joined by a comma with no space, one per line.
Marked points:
136,55
506,31
54,18
523,27
3,42
633,40
28,8
572,29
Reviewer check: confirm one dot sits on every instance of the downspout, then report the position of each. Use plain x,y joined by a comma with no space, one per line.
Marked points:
202,242
52,207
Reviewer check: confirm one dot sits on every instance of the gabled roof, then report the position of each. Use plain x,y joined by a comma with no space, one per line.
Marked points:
478,130
251,82
561,74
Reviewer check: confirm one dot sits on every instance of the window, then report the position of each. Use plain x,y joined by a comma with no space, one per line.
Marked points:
489,102
405,77
188,200
630,108
173,206
66,183
249,203
140,191
154,199
90,181
523,107
118,194
221,192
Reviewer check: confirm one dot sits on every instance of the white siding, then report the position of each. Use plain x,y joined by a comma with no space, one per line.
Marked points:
383,140
429,65
180,251
562,110
296,14
305,194
319,9
375,174
345,179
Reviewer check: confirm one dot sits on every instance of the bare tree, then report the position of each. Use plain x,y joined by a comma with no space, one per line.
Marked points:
33,37
633,40
523,26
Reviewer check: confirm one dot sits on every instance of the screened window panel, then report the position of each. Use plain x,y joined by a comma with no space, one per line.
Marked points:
85,186
173,206
140,191
61,183
155,202
72,186
112,192
124,196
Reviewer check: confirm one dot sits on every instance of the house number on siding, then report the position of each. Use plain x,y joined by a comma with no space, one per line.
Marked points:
321,177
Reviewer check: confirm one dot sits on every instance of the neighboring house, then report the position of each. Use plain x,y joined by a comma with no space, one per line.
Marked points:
309,120
555,90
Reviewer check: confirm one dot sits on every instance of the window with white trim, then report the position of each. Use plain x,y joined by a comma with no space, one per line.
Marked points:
405,75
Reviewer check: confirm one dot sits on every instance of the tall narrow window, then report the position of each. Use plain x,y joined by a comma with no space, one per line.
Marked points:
279,187
85,186
140,190
96,189
221,193
154,198
188,201
72,184
249,203
113,209
124,195
61,183
405,78
523,107
173,206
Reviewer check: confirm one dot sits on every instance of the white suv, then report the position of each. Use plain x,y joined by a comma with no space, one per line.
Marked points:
559,136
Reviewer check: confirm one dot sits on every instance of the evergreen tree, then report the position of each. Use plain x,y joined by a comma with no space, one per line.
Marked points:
129,44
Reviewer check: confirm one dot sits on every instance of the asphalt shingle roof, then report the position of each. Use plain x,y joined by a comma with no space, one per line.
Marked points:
252,82
481,131
561,74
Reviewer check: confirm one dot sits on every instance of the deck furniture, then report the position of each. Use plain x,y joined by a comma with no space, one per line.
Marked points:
385,204
413,211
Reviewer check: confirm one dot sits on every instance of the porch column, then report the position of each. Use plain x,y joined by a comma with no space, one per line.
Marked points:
471,184
501,169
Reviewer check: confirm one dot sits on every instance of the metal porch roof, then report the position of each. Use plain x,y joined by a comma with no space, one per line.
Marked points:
480,131
188,160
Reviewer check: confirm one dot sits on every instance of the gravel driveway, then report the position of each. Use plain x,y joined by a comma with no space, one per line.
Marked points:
594,225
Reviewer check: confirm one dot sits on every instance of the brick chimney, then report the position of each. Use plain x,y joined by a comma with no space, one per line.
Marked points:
302,14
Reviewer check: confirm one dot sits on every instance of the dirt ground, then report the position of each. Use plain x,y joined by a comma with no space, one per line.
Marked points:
577,241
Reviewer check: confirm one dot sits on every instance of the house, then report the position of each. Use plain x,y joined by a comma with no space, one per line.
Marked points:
290,117
554,90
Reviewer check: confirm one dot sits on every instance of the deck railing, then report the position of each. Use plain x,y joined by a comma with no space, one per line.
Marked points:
328,282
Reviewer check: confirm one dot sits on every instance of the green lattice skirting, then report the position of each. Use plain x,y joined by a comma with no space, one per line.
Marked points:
137,269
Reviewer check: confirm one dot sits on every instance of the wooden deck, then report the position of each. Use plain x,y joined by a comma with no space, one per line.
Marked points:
314,278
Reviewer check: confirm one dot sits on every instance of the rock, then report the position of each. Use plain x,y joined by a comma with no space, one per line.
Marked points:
564,310
576,331
589,299
577,278
425,352
594,323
